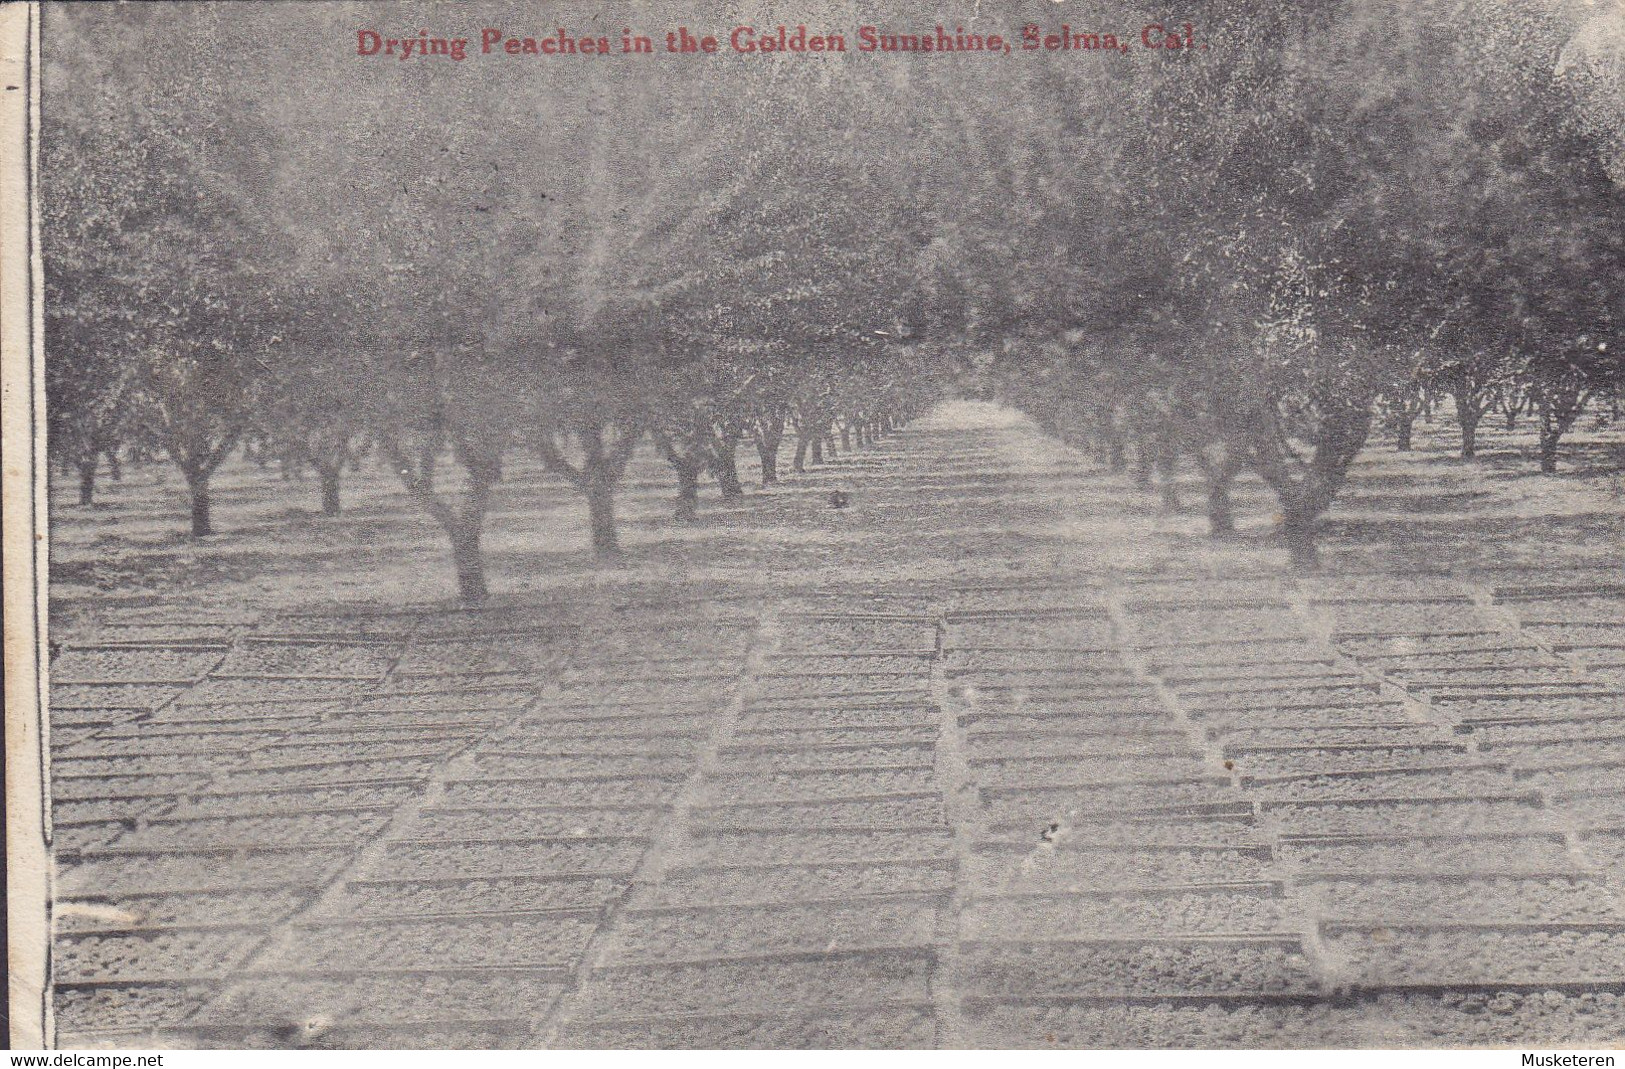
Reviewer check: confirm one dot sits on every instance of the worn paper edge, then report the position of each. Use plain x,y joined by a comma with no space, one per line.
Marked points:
22,449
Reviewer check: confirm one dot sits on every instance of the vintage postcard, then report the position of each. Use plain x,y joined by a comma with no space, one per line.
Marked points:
1000,524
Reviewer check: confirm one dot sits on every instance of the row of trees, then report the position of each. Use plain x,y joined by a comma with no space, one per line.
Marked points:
568,269
1233,258
1361,209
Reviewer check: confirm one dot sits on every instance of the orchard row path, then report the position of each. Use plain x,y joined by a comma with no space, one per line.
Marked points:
994,756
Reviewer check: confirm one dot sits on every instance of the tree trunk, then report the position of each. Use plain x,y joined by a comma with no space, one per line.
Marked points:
330,489
817,450
1551,432
829,444
688,492
465,525
1469,415
1116,450
725,467
1168,473
846,437
1557,409
601,516
462,517
87,480
1548,452
1220,474
468,557
1307,489
1405,424
602,465
800,462
1221,516
1298,527
767,451
115,469
198,485
688,467
1144,459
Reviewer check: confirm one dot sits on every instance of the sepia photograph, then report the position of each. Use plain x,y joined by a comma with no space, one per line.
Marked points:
1002,524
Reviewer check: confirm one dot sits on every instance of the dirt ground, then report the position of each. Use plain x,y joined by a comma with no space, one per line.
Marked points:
1002,754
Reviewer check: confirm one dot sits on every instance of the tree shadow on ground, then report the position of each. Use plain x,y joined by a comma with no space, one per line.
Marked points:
1470,540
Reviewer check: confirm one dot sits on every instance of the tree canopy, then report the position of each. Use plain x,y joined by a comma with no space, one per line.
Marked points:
1235,252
